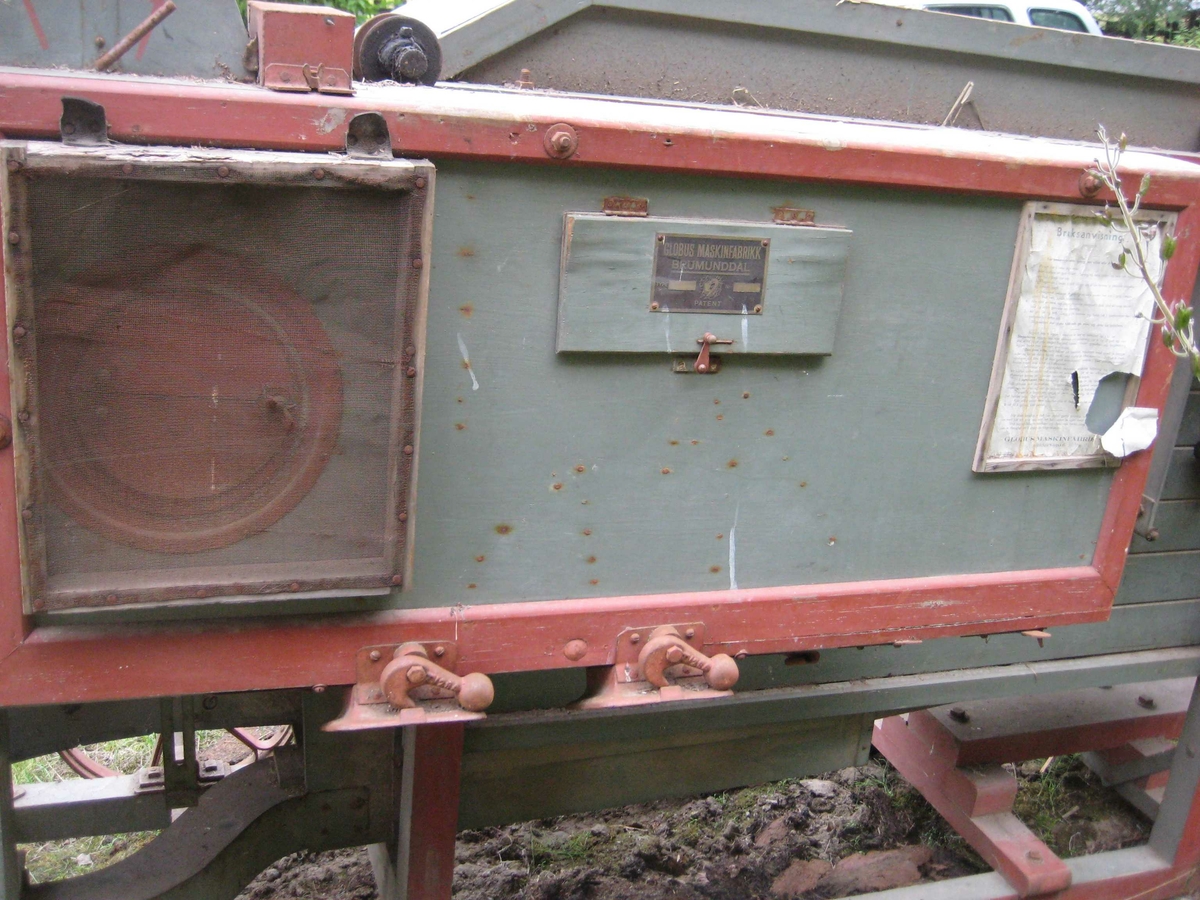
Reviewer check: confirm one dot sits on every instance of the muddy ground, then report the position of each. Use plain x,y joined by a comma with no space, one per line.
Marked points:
844,833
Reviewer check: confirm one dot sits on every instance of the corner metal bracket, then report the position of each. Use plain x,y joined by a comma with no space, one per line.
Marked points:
83,123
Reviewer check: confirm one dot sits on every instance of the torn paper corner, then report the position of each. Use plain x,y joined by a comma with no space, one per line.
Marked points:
1135,429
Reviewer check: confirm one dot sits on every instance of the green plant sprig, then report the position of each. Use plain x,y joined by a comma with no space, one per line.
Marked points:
1178,328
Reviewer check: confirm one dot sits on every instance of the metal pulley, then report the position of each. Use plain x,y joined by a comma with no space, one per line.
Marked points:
390,47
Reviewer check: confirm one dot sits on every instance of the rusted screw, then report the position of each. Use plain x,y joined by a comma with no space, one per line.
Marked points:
1146,702
1089,184
223,171
375,655
958,714
439,650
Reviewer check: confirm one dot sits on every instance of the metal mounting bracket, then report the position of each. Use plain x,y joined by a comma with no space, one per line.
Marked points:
83,123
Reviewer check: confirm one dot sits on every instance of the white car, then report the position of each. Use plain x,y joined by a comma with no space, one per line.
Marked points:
1067,15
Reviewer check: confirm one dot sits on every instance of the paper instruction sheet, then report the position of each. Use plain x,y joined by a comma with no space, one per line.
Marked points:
1071,319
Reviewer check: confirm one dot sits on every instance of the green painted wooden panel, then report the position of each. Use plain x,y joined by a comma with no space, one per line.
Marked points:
501,786
608,272
541,474
1151,577
1183,476
1178,524
1189,428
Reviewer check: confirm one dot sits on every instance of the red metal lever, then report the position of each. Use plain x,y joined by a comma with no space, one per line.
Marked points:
703,364
666,648
412,668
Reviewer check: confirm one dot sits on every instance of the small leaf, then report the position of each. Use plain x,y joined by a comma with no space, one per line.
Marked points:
1166,336
1123,142
1145,186
1168,247
1183,315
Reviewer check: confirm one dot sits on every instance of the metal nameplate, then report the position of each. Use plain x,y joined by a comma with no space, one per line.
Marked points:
701,274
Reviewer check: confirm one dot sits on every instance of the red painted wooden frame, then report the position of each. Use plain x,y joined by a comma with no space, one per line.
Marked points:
74,663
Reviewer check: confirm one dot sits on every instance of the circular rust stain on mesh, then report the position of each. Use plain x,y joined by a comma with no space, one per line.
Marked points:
186,402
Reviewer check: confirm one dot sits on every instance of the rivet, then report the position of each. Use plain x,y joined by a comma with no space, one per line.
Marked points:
223,171
408,449
127,169
403,517
397,579
294,586
410,350
19,331
418,262
318,174
111,598
1089,184
14,237
14,165
420,183
411,372
27,514
635,638
741,654
285,77
99,42
318,688
439,650
654,306
575,650
690,633
758,309
375,656
958,714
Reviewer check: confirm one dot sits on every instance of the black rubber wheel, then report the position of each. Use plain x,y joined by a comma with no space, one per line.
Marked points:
384,28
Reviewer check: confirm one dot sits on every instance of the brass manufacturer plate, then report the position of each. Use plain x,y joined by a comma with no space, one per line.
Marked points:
700,274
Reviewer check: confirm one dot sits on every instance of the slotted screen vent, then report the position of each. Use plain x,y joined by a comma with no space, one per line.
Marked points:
212,356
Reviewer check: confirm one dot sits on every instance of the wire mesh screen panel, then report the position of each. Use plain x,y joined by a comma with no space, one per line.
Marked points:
218,363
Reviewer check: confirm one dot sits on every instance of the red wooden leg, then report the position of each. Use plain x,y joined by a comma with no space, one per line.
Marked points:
926,760
429,809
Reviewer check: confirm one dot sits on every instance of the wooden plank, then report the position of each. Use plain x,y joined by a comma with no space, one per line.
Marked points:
501,786
1183,476
1178,526
1153,577
608,274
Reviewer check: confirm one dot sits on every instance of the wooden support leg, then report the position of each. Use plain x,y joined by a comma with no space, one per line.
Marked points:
977,804
421,866
10,867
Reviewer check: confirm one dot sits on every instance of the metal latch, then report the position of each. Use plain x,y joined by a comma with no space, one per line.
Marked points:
403,685
704,364
660,663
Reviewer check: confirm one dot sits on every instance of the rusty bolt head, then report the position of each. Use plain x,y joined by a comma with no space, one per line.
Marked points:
375,656
654,306
318,174
420,183
408,450
14,237
575,650
418,262
223,171
958,714
403,517
561,141
14,165
294,586
19,332
416,675
674,655
99,42
758,308
1089,184
439,651
411,372
635,638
